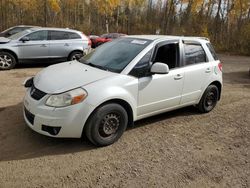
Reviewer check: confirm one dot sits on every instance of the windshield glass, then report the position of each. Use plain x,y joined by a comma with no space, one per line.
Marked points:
116,55
18,35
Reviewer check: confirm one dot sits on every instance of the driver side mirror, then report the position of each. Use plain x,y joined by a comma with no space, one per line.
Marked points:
25,39
159,68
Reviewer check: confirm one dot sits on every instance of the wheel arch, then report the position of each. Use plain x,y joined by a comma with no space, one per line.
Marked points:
78,50
11,52
121,102
126,106
218,85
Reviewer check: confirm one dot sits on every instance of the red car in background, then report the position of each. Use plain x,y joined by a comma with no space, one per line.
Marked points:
99,40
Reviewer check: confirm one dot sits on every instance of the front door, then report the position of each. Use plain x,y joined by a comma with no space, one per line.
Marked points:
37,47
160,92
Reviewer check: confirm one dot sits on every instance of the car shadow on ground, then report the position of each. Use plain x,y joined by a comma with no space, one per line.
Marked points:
18,141
38,64
187,111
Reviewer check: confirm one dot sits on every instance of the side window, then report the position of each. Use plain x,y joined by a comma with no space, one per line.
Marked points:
16,30
211,49
74,36
59,35
194,54
141,69
38,35
168,54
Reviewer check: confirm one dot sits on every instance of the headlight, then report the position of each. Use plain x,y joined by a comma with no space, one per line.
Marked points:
68,98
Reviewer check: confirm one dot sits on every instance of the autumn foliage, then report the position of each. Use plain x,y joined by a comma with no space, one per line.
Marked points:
225,22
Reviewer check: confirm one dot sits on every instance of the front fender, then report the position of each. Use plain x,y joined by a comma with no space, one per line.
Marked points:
101,92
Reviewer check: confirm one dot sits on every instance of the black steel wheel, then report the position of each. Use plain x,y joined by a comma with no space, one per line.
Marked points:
107,124
209,99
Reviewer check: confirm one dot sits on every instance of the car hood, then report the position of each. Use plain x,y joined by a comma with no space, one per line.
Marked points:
4,40
66,76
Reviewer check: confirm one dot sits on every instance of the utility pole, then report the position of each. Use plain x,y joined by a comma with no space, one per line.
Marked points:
1,19
45,13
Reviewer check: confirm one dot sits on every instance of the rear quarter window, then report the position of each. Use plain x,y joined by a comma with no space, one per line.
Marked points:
74,36
212,51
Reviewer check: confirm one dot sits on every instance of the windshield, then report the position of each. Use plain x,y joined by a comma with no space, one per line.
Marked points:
18,35
116,55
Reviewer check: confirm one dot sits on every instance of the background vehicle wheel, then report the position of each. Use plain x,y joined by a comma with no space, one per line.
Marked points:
209,99
7,61
98,44
75,55
107,124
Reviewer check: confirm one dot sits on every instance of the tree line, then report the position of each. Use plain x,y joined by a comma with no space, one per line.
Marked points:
225,22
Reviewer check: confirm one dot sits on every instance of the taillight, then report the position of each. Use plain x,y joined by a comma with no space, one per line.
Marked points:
89,42
220,66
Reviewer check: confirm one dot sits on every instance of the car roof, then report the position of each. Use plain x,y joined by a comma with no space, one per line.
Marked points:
25,26
54,28
167,37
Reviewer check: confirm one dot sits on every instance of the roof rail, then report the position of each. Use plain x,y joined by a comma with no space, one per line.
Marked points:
204,38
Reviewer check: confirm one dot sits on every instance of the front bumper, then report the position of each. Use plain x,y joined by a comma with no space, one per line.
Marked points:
70,120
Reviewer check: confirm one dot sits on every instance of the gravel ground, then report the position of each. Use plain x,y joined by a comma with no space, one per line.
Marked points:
182,148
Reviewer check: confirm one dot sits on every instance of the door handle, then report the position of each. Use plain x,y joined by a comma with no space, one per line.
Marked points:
208,70
43,45
178,77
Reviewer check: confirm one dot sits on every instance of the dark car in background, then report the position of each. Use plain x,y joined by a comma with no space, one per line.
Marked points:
13,30
99,40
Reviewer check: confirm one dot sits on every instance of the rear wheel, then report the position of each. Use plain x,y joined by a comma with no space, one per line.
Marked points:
98,44
107,124
209,99
7,61
76,55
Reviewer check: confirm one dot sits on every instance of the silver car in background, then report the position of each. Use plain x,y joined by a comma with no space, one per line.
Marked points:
42,44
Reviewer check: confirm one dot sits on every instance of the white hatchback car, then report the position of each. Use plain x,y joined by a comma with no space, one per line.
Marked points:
122,81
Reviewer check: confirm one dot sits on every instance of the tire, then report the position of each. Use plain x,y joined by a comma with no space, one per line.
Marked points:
106,125
209,99
76,55
98,44
7,61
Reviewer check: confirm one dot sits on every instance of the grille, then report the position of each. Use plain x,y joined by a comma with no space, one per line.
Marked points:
36,93
30,117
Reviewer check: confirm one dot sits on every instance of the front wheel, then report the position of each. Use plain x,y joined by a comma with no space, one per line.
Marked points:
7,61
107,124
209,99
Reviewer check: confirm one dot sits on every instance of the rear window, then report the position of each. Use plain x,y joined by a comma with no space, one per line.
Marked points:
211,49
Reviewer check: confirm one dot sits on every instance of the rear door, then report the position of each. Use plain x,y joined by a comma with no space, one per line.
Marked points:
59,44
197,70
36,48
62,43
